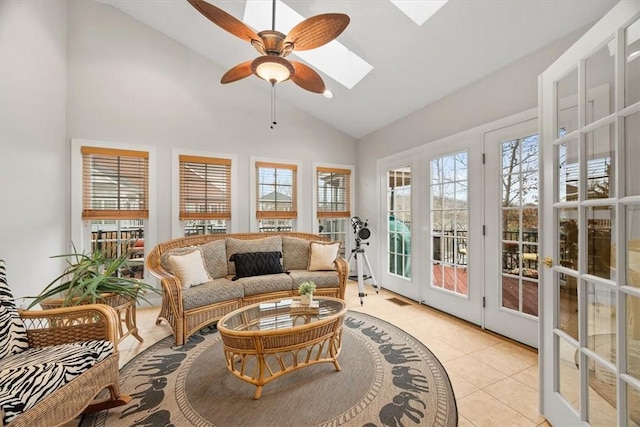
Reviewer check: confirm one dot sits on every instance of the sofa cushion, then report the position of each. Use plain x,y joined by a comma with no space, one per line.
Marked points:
77,357
256,263
322,256
189,269
295,253
22,388
28,377
215,291
13,334
268,244
215,258
256,285
322,279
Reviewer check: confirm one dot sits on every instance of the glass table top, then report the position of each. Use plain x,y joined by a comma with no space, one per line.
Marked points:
281,314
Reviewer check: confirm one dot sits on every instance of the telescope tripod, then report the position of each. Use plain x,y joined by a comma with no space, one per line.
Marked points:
359,255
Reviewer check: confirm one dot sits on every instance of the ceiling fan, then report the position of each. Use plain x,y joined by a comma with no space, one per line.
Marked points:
274,46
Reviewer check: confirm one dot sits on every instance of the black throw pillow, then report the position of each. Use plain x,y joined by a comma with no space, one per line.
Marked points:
256,263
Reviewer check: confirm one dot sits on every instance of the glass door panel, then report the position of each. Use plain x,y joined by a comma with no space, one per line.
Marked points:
601,321
568,309
568,179
450,222
633,246
600,157
567,101
632,64
600,241
519,228
399,221
601,395
568,248
632,153
599,76
568,380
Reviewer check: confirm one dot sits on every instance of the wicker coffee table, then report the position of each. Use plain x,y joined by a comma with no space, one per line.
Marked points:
266,340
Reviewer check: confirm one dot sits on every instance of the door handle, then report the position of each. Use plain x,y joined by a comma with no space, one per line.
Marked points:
547,261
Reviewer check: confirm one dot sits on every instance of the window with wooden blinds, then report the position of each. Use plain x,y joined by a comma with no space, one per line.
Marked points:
276,190
205,188
115,183
333,192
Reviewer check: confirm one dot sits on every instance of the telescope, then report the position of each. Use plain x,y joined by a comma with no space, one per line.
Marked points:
360,228
362,232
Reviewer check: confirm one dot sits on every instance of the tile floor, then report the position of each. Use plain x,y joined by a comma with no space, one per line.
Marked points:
495,380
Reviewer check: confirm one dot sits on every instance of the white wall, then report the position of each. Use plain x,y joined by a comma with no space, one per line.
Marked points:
510,90
33,155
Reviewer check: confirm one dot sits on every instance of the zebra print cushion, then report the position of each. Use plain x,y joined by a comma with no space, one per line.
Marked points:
13,335
6,297
22,388
28,377
77,356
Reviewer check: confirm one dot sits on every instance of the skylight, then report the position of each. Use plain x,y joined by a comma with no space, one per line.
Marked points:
419,10
333,59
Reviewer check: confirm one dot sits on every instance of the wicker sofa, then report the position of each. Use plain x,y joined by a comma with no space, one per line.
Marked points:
188,309
53,363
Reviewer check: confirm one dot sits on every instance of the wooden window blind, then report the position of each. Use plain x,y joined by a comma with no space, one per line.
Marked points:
205,188
333,192
115,183
276,195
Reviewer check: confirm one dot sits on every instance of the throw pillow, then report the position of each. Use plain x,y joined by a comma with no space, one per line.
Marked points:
266,244
256,263
215,258
189,269
295,253
164,258
13,339
323,255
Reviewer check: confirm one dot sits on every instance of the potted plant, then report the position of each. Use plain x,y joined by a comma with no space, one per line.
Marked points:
91,278
306,292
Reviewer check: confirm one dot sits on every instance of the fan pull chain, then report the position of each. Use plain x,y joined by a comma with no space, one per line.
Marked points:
273,105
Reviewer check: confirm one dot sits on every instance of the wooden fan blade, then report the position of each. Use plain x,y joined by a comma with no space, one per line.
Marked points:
317,30
238,72
307,78
224,20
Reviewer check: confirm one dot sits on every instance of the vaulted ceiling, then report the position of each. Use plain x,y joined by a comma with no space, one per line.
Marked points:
413,65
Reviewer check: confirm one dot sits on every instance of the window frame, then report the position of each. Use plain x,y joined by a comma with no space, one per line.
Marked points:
177,224
317,217
296,220
80,228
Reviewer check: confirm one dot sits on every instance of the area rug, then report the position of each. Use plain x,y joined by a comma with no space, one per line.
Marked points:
388,378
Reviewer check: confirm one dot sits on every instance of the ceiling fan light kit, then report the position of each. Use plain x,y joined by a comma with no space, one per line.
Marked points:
273,69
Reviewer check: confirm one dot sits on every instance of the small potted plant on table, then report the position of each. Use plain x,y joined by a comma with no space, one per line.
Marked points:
306,292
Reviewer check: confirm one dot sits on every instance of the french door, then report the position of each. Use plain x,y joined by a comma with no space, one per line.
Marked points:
590,317
512,195
451,238
398,224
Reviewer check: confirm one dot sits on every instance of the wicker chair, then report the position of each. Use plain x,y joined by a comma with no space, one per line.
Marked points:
66,326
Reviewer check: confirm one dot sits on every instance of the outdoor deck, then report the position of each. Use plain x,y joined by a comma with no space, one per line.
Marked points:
454,278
